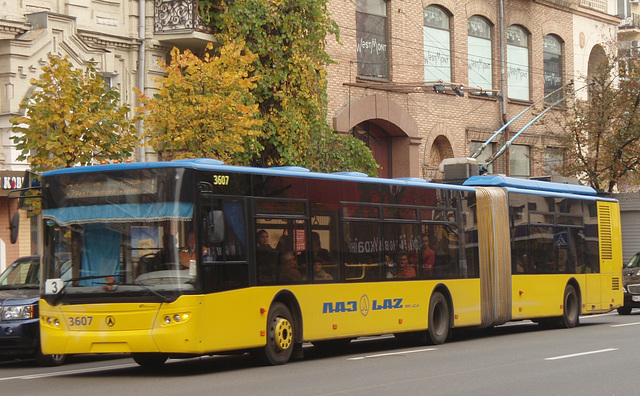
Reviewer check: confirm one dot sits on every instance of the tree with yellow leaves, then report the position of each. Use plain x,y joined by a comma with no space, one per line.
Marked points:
72,118
289,38
203,107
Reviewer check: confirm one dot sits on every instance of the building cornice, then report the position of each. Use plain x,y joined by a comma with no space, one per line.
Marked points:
12,29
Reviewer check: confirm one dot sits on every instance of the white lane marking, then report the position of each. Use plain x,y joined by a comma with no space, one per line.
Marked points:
581,354
68,372
391,354
626,324
598,315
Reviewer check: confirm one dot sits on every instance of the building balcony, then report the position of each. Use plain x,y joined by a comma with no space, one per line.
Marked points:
178,23
629,23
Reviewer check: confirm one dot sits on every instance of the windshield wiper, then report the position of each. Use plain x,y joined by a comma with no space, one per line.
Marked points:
57,296
147,288
19,287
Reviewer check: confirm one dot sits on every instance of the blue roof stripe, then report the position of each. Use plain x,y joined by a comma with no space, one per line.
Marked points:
525,184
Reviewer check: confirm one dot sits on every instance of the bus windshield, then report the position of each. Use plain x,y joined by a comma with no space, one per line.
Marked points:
124,238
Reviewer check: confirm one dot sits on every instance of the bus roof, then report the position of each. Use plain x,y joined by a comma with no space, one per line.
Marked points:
208,164
217,165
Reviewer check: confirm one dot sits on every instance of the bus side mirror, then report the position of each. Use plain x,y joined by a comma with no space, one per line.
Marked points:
215,226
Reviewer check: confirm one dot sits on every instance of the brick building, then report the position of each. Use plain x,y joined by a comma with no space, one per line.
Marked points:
401,63
392,58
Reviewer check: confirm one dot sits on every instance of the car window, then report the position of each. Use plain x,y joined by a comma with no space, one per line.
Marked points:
21,273
634,262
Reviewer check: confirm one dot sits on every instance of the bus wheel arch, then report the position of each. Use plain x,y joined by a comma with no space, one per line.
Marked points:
287,298
440,318
284,330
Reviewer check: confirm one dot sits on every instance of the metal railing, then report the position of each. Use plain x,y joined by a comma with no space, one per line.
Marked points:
178,16
630,22
598,5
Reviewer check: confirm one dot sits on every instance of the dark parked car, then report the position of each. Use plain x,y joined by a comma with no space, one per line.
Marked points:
631,285
19,322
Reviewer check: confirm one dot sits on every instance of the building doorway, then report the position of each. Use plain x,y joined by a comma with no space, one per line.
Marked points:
379,143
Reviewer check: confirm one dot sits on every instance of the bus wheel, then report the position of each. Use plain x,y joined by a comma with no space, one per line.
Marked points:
48,360
624,311
280,335
150,360
438,319
571,308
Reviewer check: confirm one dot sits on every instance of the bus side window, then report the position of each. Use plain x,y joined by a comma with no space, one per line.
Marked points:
364,260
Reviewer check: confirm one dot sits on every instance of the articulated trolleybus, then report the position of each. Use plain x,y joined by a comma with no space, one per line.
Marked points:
194,257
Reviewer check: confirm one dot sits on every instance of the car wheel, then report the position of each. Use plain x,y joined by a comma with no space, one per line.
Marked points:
624,310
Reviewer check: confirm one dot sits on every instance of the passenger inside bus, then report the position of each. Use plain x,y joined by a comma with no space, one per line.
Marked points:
405,271
188,253
317,251
318,272
428,258
287,270
390,267
266,257
168,248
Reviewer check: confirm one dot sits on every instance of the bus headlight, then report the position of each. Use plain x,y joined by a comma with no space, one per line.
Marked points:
17,312
52,322
176,318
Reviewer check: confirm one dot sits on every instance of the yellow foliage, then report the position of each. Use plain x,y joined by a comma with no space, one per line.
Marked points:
203,107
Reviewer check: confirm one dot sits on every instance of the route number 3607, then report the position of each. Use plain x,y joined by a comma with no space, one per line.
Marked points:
221,180
75,321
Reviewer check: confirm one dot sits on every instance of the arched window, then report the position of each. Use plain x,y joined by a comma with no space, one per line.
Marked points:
372,37
552,49
479,50
517,63
437,45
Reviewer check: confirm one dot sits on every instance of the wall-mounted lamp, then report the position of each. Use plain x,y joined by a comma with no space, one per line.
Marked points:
458,90
438,88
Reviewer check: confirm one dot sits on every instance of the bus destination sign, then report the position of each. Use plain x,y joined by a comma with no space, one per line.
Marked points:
111,187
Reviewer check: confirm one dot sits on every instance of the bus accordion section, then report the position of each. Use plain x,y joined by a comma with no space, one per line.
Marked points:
194,257
495,255
565,251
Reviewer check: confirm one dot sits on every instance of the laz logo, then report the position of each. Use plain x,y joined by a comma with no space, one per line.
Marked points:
352,306
340,306
387,303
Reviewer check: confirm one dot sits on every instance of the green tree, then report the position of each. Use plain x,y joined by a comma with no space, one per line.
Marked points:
289,39
72,118
600,136
203,108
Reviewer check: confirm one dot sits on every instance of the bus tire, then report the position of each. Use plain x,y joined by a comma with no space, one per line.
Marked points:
571,308
438,319
48,360
150,360
624,311
280,336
